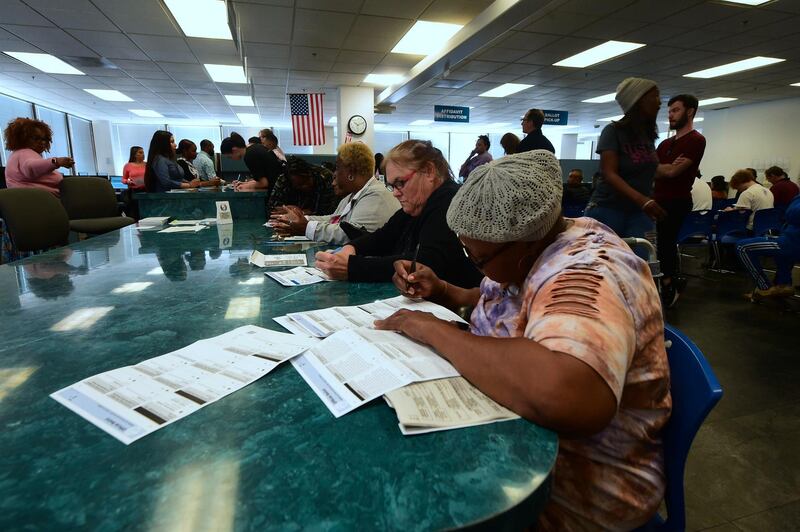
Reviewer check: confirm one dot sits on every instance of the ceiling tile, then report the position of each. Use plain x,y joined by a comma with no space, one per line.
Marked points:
454,11
113,45
146,18
376,34
72,14
265,23
318,28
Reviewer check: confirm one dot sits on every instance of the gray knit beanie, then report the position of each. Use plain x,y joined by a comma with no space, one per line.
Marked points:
630,91
516,197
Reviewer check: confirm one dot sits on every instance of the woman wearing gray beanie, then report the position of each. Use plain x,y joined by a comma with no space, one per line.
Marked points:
566,331
628,162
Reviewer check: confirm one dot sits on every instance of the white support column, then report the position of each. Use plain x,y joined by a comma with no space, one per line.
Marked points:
569,145
104,147
357,101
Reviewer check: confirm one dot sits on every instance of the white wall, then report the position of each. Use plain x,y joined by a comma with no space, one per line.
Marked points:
104,147
756,136
357,101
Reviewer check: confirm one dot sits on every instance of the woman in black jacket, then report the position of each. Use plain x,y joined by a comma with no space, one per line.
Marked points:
420,178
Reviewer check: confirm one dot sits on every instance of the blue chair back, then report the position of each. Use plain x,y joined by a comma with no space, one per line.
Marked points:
696,225
719,204
767,220
731,225
695,391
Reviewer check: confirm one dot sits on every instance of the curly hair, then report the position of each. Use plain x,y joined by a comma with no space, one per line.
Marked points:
19,133
358,157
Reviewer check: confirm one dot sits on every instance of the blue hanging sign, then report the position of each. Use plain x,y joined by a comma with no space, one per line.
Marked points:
450,113
556,118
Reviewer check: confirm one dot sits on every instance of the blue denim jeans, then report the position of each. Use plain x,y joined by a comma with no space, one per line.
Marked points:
625,223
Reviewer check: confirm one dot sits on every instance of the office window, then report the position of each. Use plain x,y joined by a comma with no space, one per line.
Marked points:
82,146
58,123
11,108
126,135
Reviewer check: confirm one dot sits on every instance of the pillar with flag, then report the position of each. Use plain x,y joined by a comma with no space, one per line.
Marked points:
308,124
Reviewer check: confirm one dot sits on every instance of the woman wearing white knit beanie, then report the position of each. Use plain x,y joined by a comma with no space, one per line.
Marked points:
566,322
628,161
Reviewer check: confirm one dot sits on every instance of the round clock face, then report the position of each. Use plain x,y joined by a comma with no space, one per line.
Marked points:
357,125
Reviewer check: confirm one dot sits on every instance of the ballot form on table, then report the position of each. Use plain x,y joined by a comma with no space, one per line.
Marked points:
444,404
351,367
134,401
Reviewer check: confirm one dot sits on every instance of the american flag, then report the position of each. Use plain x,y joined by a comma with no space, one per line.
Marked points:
308,126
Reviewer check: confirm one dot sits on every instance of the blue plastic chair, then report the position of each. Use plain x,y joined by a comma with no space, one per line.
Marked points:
731,226
695,391
767,221
695,231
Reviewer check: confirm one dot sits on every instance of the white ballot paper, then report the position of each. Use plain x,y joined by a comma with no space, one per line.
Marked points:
350,368
300,276
133,401
183,229
204,221
269,261
384,308
444,404
323,323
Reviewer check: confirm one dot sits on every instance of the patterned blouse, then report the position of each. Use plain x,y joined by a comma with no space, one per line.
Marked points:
590,297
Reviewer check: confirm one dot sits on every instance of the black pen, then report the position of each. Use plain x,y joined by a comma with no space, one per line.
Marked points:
413,264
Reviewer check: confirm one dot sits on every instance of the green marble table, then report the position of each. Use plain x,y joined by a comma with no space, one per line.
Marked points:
199,203
269,456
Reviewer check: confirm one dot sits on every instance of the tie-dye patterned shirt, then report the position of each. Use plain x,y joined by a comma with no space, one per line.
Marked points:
590,297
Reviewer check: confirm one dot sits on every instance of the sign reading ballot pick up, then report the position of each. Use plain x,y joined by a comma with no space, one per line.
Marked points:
224,213
450,113
556,118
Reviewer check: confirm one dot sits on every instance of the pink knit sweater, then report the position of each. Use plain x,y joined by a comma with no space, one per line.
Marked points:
28,169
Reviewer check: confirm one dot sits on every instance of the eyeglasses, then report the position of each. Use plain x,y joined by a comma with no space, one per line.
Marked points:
400,183
486,260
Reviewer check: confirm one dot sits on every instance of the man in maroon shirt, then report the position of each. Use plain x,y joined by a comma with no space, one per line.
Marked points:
783,190
679,157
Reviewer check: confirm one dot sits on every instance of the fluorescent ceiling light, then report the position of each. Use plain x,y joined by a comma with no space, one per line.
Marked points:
747,2
420,122
147,113
425,38
713,101
610,118
226,73
795,84
736,66
109,95
201,18
505,89
46,63
598,54
610,97
248,118
333,120
241,101
384,80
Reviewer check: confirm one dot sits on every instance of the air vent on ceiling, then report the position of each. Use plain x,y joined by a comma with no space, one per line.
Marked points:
451,83
90,62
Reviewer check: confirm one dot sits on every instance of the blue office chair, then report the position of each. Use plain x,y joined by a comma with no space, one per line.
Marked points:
695,391
731,226
767,222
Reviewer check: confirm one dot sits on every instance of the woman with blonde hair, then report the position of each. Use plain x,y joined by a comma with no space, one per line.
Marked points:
367,205
420,179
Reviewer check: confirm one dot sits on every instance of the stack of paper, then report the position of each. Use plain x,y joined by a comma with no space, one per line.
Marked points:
183,229
442,405
270,261
324,322
352,367
153,222
204,221
300,276
134,401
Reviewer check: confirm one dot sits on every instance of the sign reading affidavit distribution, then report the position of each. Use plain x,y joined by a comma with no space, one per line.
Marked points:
450,113
556,118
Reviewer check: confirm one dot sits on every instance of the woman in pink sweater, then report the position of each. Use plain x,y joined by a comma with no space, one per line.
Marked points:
27,139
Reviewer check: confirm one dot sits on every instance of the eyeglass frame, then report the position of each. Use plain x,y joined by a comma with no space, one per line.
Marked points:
480,264
400,183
